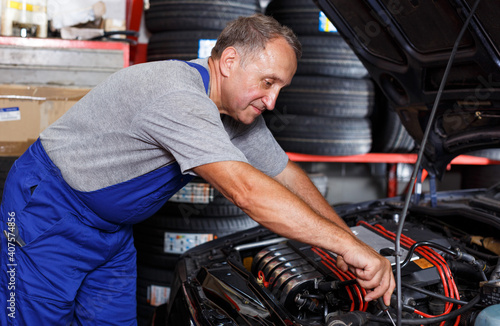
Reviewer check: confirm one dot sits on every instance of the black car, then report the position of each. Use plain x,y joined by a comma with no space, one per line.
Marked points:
448,265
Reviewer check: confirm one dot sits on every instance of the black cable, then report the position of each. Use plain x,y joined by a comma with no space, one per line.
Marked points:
397,243
428,244
435,295
312,296
426,321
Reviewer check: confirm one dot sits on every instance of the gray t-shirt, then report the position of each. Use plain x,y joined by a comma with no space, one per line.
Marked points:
148,116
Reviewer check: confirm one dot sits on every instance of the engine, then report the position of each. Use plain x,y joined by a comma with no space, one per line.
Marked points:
307,282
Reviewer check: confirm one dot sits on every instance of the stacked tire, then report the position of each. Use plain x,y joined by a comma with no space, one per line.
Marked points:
326,109
186,30
196,214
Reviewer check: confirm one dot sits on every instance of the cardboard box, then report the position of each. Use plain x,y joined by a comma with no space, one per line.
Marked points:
25,111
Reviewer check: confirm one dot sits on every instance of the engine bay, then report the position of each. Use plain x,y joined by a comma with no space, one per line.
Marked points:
450,270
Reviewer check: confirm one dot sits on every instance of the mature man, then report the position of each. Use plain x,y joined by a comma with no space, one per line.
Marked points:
115,157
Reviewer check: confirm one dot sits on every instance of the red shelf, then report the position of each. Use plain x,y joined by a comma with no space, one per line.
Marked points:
390,158
385,158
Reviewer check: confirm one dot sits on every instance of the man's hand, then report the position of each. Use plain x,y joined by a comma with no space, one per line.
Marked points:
373,272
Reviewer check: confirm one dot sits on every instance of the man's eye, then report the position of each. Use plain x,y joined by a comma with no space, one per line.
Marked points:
268,83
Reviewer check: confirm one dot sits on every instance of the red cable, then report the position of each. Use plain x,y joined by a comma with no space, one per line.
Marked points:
444,271
348,276
337,273
427,253
436,259
363,291
407,242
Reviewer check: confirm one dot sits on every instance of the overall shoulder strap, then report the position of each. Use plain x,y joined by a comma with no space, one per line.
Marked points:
203,72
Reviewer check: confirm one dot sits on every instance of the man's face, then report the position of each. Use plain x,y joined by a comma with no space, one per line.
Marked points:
250,90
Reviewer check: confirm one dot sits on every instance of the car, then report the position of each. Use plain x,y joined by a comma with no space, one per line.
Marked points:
437,62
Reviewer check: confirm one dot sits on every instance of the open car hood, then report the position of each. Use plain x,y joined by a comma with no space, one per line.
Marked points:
405,46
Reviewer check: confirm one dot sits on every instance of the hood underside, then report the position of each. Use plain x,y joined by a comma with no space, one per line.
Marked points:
406,45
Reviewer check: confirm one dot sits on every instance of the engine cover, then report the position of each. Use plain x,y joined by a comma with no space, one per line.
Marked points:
293,270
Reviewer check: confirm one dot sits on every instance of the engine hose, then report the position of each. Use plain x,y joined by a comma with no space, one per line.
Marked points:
434,295
470,259
477,253
426,321
465,271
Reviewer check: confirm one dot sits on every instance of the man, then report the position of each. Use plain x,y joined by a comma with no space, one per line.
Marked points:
115,157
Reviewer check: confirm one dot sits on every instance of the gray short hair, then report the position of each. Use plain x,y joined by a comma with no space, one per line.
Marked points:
249,35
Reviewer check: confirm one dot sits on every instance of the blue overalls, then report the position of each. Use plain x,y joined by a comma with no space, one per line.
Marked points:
68,257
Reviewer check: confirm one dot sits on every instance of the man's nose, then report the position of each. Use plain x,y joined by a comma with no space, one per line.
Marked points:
270,99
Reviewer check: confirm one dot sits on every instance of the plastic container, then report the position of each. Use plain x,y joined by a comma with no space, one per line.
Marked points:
489,316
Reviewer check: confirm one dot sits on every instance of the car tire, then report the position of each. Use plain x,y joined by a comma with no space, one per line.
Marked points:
219,206
321,135
172,15
179,45
328,55
302,16
151,242
327,97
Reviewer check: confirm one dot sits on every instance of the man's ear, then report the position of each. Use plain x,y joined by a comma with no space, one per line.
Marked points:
228,60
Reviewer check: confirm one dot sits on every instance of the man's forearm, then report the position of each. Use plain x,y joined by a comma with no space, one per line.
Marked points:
276,207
